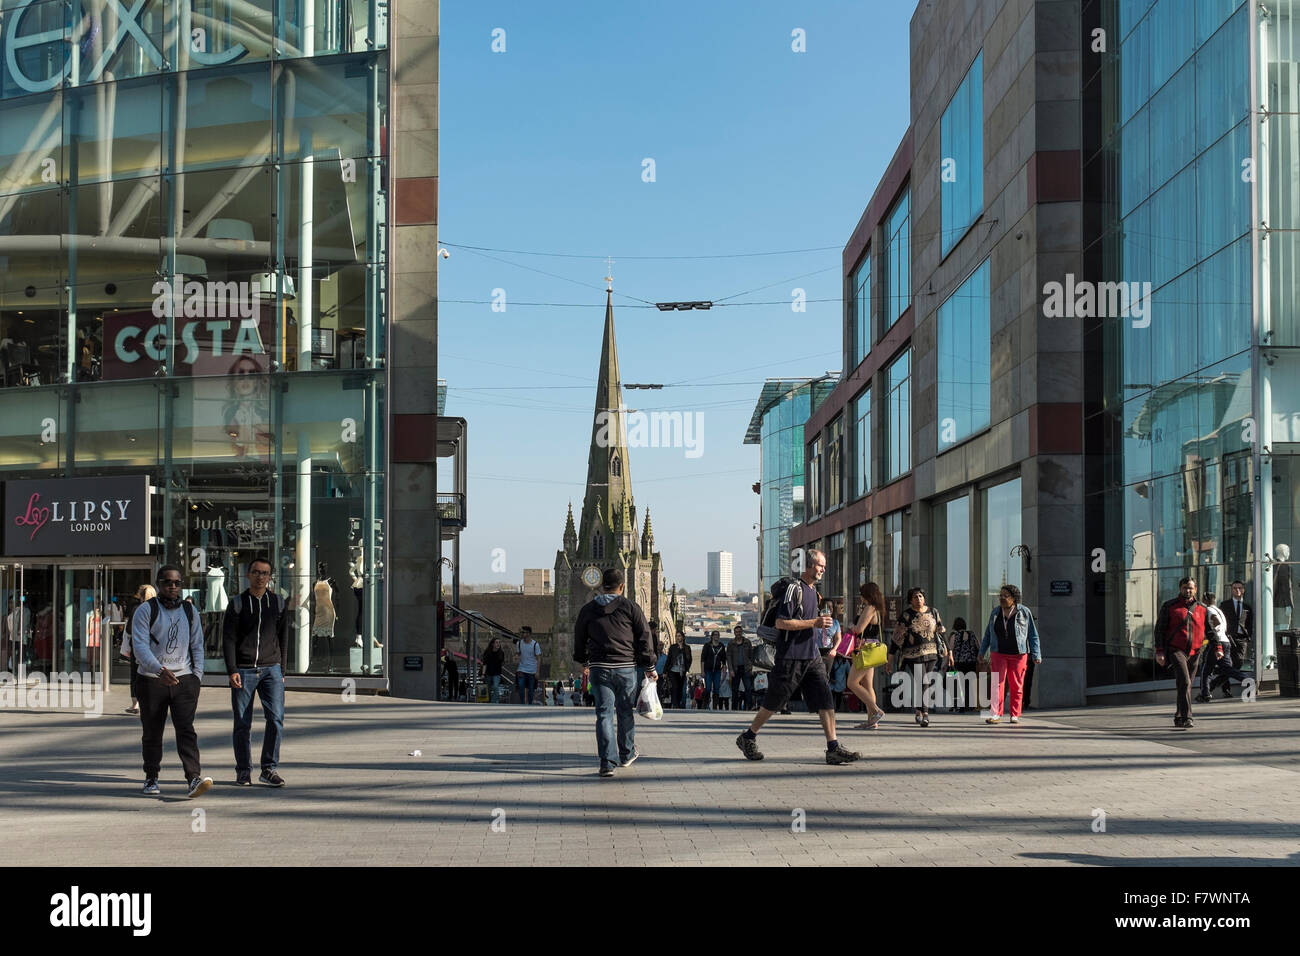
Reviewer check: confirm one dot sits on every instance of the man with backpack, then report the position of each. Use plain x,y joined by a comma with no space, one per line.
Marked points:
255,642
798,664
610,640
167,645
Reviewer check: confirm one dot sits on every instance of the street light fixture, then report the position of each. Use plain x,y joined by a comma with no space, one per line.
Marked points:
682,306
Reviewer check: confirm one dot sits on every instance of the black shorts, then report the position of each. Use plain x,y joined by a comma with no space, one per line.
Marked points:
808,677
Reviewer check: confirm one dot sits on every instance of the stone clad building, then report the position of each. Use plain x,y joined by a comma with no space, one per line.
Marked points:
609,532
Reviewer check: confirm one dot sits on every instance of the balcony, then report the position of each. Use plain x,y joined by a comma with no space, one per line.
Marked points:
451,510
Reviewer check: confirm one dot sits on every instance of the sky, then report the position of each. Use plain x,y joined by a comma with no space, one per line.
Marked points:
755,148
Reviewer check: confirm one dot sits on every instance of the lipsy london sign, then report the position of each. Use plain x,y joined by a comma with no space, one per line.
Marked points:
62,516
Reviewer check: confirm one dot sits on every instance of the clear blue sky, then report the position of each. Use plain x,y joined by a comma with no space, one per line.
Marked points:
757,148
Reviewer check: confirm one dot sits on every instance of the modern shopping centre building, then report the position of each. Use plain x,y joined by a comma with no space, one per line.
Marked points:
218,325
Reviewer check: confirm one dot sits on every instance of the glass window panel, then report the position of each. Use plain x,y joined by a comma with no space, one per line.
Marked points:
242,31
326,111
31,150
835,463
1134,163
1136,240
1222,82
119,425
1172,329
897,294
1135,71
964,360
1172,230
961,187
899,452
1002,510
1172,39
1210,15
862,443
1172,127
218,117
862,309
113,131
24,425
1222,198
1139,421
40,63
951,552
338,26
1224,303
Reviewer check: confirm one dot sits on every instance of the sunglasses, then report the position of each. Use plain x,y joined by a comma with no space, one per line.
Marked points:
170,583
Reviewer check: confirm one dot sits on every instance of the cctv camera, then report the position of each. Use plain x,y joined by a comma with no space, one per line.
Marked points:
444,254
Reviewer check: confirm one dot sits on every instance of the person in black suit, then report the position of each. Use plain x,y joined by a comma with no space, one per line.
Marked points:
1241,622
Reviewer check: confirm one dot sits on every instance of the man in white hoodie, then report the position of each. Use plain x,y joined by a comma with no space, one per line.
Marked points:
167,643
1217,669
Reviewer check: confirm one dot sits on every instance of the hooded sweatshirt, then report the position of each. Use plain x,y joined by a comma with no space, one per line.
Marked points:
611,631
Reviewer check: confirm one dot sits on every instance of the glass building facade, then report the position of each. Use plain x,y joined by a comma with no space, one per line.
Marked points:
193,211
1192,412
777,426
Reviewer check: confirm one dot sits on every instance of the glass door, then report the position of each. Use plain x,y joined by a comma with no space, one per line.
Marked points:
81,623
26,618
122,588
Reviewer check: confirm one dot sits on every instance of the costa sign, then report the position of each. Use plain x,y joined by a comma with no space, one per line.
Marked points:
205,345
84,53
59,516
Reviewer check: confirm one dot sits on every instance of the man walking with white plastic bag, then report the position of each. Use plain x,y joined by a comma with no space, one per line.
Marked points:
610,640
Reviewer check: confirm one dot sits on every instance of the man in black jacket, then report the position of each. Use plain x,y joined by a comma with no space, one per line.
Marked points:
610,639
712,657
255,641
679,666
738,661
1241,624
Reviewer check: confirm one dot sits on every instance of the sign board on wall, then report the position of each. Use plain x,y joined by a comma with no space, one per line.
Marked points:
61,516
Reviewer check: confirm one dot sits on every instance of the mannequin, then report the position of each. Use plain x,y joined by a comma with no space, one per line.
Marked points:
324,593
217,599
1282,589
357,571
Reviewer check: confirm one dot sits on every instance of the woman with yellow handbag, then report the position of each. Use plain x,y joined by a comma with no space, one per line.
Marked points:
871,652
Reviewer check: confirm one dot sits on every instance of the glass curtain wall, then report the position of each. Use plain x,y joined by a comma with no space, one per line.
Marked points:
965,363
1170,422
961,178
192,213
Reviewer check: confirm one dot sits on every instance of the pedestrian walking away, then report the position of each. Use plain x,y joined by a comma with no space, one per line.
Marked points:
1010,641
143,593
167,644
965,659
1217,669
798,664
679,666
868,654
530,659
1179,634
610,640
493,660
255,643
919,638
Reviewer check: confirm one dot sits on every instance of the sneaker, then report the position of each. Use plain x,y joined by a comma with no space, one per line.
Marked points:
917,717
993,720
840,755
1015,720
133,711
1180,722
875,720
271,778
925,720
243,779
1203,698
151,787
1226,692
749,747
200,786
1188,724
630,759
607,771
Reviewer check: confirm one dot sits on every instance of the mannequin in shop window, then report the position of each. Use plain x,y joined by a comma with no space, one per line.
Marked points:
1282,589
18,629
217,598
324,600
357,572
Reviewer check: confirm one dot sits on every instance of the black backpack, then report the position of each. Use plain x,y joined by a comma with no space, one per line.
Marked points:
780,594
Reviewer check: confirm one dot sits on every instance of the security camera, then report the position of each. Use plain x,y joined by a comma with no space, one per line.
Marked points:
444,254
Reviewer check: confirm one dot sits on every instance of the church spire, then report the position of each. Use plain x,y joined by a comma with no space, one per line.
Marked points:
570,534
608,499
647,537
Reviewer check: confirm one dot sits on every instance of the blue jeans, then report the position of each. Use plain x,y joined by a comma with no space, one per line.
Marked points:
268,684
615,690
525,684
712,684
494,687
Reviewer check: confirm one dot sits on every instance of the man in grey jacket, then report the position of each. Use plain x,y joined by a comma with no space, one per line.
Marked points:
167,643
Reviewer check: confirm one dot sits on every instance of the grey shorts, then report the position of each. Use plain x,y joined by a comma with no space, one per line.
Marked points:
806,676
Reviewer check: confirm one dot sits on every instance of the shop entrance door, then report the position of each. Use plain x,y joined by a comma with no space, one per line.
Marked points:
26,618
94,601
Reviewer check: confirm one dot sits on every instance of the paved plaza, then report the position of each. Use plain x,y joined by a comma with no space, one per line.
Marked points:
957,793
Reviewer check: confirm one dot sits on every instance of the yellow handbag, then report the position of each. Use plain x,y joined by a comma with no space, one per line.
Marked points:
870,655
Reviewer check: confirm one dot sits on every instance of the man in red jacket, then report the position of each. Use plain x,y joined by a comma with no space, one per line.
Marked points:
1180,632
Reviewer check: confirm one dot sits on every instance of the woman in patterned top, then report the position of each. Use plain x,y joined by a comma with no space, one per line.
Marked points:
919,636
965,655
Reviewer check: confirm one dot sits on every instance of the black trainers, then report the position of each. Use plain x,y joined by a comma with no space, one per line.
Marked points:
840,755
607,770
200,786
271,778
243,779
151,787
749,747
1180,722
1226,691
1188,724
1203,698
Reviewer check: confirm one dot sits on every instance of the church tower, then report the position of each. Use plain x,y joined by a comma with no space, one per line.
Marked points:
608,534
